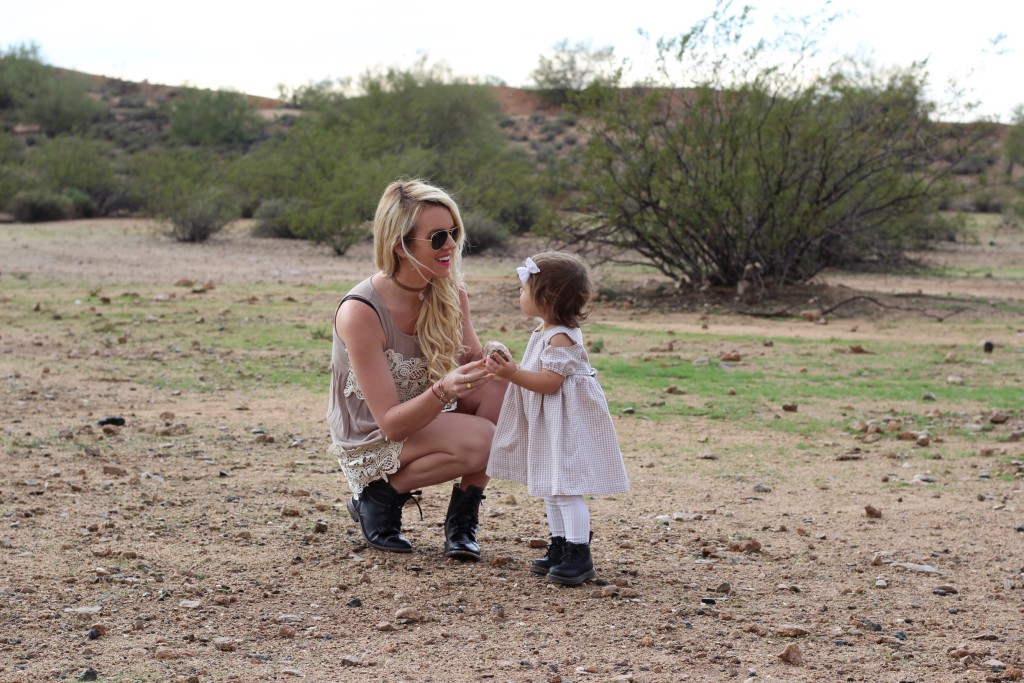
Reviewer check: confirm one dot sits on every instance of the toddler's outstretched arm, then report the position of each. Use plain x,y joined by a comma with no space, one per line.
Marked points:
540,381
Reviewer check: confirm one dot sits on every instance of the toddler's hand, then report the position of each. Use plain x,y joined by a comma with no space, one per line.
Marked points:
500,364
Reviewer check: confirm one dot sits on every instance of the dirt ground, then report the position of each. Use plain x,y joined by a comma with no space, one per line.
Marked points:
206,539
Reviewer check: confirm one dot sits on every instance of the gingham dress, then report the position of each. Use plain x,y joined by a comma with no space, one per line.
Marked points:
562,443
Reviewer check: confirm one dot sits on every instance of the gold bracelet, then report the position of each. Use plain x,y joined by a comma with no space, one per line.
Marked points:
439,393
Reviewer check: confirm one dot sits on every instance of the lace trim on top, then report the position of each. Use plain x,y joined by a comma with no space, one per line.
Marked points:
411,378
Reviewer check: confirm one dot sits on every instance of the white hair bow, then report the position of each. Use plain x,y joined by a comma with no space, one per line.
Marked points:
524,271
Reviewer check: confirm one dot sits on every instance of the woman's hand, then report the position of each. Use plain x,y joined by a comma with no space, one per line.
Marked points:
466,379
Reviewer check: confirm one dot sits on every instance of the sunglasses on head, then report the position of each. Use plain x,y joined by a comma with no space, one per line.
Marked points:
439,238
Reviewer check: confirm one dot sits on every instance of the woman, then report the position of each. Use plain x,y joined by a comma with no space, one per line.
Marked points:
411,402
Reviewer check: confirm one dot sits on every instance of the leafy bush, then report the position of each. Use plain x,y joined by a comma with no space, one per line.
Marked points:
484,233
213,117
761,166
82,205
37,206
187,187
69,161
343,151
205,213
32,92
275,218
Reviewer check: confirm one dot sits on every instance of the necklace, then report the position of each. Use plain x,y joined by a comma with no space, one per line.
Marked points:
410,289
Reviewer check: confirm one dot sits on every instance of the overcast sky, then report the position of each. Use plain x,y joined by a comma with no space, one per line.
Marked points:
255,46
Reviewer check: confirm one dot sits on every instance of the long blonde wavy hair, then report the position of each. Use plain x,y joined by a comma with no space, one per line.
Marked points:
439,325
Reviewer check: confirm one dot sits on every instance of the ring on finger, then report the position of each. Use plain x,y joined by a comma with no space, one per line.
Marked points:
469,385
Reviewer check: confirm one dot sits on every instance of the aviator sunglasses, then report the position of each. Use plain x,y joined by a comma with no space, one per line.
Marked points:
438,239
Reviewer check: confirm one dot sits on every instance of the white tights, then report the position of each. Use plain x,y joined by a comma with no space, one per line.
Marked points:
568,517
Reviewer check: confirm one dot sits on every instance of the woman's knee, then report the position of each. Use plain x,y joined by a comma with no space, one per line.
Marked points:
479,448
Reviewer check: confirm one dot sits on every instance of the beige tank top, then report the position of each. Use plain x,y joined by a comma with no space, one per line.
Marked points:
351,423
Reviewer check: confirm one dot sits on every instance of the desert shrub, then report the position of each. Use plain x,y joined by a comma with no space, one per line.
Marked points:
276,218
70,161
33,92
205,213
82,205
133,101
986,202
761,164
573,68
338,157
213,117
484,233
187,187
37,206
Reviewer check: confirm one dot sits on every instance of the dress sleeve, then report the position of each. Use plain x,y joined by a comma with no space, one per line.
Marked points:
565,360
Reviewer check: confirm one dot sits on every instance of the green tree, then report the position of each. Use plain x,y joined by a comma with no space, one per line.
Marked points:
757,172
332,165
573,68
213,117
33,92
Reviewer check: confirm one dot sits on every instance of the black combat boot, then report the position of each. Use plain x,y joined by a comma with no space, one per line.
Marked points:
378,511
461,522
576,565
554,555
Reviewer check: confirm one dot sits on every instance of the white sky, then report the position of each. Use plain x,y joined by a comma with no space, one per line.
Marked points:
255,46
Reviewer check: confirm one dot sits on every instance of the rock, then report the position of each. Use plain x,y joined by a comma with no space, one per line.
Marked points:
190,604
812,315
88,675
914,567
791,655
114,470
320,527
872,512
998,417
286,631
225,644
954,379
789,407
166,653
791,631
409,614
929,396
945,590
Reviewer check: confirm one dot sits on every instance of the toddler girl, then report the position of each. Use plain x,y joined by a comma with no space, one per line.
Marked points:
554,433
